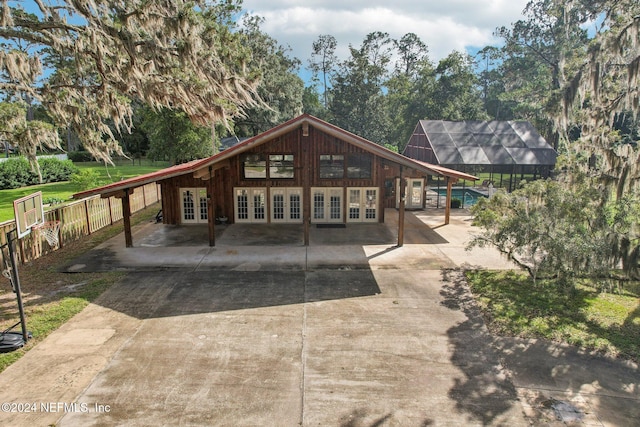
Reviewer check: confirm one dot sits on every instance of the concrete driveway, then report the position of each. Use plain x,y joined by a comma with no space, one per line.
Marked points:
327,335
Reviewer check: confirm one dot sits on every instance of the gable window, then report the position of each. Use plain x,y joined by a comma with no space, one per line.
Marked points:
359,165
254,166
281,166
331,166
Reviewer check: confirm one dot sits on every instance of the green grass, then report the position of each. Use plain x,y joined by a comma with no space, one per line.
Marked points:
64,190
46,318
585,317
51,297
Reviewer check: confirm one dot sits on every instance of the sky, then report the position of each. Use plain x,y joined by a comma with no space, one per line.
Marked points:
443,25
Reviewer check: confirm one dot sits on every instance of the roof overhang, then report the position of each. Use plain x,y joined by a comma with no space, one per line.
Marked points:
202,168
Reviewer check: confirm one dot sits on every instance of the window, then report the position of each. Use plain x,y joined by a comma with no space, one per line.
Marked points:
254,166
281,166
331,166
359,165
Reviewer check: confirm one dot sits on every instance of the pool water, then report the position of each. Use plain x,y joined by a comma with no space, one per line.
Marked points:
468,196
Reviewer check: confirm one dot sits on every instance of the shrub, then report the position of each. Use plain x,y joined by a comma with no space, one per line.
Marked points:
456,203
52,201
80,156
55,170
86,179
15,173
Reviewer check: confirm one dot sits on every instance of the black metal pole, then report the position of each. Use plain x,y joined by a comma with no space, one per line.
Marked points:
16,282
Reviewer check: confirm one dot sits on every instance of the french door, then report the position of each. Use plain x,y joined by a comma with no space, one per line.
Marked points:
414,193
193,205
326,205
363,204
286,205
250,204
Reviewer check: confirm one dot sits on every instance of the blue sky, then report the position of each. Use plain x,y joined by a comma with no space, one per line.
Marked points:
444,25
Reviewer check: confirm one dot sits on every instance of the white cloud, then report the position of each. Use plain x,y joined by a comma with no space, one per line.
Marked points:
443,25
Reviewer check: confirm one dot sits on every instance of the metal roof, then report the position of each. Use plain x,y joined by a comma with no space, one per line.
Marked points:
485,143
305,119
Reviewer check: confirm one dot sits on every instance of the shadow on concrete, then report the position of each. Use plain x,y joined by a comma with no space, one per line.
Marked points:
362,418
572,385
162,235
417,231
556,382
176,293
485,393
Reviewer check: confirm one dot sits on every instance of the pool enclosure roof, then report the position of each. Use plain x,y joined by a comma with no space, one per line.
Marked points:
479,143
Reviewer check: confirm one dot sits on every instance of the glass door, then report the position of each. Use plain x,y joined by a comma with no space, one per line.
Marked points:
286,205
414,193
193,205
250,204
363,204
326,204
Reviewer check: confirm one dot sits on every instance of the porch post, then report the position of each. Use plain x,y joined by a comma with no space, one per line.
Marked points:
126,219
401,210
306,183
447,208
211,209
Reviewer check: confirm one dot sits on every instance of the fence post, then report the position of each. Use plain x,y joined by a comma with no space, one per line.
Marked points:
57,215
110,211
87,215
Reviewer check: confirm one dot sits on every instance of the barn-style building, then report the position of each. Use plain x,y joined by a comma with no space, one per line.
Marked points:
303,171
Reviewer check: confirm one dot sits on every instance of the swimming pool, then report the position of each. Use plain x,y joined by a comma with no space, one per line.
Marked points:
468,196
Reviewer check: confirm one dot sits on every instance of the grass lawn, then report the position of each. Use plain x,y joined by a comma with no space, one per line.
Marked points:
64,190
50,297
586,317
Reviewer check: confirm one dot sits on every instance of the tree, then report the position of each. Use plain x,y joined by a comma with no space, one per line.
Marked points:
173,54
402,89
540,52
492,82
603,95
311,103
456,92
549,230
28,135
412,52
358,101
584,89
136,142
280,88
323,62
173,137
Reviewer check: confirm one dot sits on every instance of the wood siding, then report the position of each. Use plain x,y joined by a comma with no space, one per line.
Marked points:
306,151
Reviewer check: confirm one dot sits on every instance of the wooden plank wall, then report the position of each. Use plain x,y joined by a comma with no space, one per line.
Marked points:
306,151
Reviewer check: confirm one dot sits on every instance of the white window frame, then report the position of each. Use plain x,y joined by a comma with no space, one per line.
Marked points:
255,213
409,201
292,210
362,204
200,210
324,211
